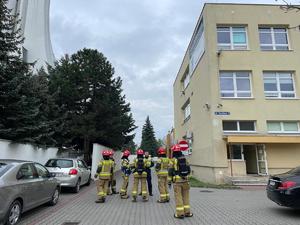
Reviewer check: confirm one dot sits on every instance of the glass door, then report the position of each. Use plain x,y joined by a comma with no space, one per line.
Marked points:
261,159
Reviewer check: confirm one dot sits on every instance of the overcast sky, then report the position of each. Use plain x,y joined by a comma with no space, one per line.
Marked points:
145,40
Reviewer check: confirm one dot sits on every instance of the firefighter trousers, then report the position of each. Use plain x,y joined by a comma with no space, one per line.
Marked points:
123,191
143,180
182,198
163,188
102,186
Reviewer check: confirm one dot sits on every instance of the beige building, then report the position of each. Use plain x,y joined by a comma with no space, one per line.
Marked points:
237,92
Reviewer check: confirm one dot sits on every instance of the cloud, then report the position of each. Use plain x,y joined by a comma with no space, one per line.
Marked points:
144,40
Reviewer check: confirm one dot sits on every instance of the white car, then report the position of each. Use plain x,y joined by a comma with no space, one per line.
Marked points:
71,173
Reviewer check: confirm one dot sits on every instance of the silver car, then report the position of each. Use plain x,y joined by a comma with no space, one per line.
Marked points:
24,185
70,172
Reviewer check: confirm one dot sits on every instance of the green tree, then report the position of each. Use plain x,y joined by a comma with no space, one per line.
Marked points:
21,117
91,102
148,138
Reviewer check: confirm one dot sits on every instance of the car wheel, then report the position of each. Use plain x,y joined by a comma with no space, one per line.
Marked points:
89,181
55,197
14,213
77,187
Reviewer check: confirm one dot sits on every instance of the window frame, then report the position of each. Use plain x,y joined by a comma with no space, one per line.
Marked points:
184,107
235,91
279,92
242,153
232,45
273,44
184,78
282,131
46,170
238,126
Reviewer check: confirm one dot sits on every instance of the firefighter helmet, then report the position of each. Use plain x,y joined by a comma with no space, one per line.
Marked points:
126,153
106,153
140,152
176,148
161,151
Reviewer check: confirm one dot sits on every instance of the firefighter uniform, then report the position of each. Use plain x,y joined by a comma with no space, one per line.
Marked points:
104,175
161,168
140,176
181,189
125,168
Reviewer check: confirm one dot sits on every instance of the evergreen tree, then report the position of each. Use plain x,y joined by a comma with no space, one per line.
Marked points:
21,117
95,110
149,143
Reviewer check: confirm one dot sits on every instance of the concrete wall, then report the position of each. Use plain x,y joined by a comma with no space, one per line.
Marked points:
10,150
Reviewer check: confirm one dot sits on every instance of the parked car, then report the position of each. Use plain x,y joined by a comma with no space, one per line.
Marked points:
284,189
24,185
71,172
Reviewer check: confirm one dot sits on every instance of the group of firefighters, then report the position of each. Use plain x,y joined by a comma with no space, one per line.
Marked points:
174,170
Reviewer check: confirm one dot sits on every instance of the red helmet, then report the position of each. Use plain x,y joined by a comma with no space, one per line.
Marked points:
176,148
161,151
106,153
126,153
111,152
140,152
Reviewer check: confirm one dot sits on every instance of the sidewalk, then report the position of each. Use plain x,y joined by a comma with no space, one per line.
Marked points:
210,206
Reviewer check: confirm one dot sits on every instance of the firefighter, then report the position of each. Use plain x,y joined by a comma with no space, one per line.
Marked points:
179,171
161,169
148,171
140,175
104,174
125,168
112,183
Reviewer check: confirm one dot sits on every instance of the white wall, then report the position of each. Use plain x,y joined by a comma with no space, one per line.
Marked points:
10,150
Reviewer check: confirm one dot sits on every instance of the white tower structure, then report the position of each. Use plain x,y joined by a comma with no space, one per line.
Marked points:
34,16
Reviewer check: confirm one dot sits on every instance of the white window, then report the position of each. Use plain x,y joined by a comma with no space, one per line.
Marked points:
283,126
239,126
279,85
235,152
273,38
232,38
187,111
197,46
235,85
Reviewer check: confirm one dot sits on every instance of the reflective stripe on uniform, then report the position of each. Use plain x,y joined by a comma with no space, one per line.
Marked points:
101,193
134,192
122,190
186,207
144,192
179,208
162,173
163,195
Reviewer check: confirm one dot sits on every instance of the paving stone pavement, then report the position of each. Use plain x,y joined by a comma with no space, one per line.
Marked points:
210,207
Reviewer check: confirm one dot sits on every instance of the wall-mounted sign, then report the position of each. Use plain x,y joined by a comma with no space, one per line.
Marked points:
222,113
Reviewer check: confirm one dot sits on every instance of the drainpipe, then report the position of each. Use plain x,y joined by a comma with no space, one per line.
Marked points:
230,155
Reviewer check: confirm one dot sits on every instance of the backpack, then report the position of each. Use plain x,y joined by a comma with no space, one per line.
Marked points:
140,166
183,169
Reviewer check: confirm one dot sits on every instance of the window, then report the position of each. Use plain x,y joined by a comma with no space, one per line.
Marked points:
4,167
273,38
60,163
187,111
279,85
235,84
41,171
238,126
283,126
235,152
80,164
197,46
232,38
26,172
186,79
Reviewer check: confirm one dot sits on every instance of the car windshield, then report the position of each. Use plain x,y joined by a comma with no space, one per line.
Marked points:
4,168
295,171
61,163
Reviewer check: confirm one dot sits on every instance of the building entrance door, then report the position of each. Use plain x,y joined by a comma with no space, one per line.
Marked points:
261,159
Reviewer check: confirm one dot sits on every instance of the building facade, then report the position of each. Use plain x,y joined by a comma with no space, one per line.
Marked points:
236,95
34,24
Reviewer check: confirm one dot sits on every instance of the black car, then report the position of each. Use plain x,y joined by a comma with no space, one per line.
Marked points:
284,189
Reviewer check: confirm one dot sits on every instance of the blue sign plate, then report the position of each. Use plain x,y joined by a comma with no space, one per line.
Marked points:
222,113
